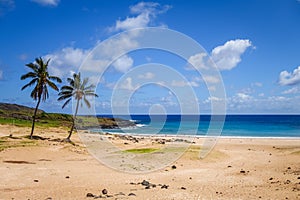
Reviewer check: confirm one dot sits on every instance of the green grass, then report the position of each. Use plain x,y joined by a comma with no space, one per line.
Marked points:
16,122
40,123
142,150
6,143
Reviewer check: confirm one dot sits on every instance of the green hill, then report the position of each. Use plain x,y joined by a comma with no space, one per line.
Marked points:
22,116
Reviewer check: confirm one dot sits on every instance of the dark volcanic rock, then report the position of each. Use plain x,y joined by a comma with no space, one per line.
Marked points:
145,183
164,187
104,191
90,195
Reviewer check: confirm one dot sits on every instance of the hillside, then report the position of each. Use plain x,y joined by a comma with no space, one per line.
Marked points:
22,116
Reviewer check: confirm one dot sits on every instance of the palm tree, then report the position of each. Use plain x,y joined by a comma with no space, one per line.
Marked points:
80,90
41,79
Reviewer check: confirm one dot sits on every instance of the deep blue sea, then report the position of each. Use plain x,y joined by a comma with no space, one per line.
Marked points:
234,125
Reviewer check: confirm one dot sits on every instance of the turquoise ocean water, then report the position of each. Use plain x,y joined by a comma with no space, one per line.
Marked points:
234,125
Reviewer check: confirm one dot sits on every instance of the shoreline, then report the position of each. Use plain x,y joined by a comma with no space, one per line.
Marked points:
192,136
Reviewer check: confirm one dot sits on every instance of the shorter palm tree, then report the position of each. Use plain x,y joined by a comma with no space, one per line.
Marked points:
80,90
41,79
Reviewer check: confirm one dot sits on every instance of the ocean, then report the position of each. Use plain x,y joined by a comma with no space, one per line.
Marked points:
234,125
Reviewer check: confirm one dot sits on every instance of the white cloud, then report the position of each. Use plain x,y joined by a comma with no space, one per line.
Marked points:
140,21
243,103
243,96
123,64
212,98
257,84
293,90
47,2
147,76
287,78
211,79
127,84
70,58
228,55
66,60
145,12
169,100
184,83
197,61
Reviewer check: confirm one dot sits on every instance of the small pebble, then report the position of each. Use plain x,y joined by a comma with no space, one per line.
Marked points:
67,176
104,191
164,187
89,195
174,167
183,188
35,180
145,183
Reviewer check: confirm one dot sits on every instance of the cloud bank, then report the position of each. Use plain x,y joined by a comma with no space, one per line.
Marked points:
287,78
47,2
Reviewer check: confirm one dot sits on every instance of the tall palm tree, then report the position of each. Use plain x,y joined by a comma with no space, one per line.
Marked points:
80,90
41,79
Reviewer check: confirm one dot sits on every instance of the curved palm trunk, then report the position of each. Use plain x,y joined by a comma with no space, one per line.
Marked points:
73,125
34,116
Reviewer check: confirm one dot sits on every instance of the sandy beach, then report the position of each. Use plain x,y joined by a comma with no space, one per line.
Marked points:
237,168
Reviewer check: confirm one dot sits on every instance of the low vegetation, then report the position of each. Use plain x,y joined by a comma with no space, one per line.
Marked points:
18,115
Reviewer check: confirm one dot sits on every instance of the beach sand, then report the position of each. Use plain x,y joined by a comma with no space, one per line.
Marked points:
237,168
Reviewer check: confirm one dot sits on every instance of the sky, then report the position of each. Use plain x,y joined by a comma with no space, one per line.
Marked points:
254,45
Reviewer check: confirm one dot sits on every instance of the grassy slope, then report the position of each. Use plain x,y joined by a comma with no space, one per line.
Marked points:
21,116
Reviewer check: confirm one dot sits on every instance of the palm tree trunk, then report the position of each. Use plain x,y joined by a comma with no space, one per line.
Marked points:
73,125
34,116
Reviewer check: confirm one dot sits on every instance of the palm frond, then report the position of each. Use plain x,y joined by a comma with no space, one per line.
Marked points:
84,82
41,78
66,87
90,87
34,93
45,93
64,97
52,85
87,102
66,103
64,92
29,75
30,83
55,78
32,66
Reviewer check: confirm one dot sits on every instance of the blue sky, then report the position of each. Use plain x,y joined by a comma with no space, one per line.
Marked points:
255,44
